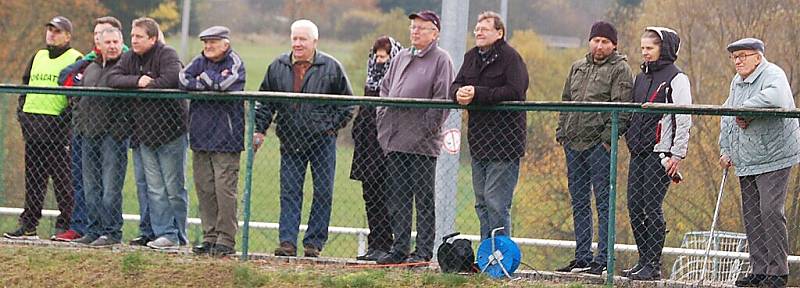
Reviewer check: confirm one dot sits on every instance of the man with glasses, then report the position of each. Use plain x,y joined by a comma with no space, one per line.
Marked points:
763,150
411,138
493,72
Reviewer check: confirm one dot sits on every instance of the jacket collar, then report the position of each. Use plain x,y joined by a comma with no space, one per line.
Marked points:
425,51
227,54
753,76
611,59
150,52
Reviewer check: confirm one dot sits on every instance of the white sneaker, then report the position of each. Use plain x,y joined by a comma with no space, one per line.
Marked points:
162,243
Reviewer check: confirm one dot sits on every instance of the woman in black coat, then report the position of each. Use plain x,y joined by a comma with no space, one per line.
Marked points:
368,158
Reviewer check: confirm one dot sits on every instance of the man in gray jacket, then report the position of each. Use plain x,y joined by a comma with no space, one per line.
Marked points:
763,150
411,137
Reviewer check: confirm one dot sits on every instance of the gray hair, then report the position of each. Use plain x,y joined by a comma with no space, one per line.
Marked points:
111,30
304,23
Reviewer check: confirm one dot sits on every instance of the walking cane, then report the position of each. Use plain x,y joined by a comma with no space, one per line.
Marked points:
714,223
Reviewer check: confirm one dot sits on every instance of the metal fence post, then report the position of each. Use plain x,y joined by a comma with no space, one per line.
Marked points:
612,199
248,176
3,124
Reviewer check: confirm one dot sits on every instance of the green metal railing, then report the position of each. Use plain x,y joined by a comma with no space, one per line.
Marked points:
614,108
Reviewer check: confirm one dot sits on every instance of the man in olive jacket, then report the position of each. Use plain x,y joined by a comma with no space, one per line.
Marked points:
159,128
603,76
493,72
307,133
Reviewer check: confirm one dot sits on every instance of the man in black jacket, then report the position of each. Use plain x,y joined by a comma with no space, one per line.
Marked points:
44,119
159,128
102,124
493,72
307,133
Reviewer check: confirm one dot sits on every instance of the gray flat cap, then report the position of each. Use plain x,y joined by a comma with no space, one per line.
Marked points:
746,44
215,32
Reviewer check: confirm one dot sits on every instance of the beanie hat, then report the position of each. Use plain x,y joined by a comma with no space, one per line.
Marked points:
604,29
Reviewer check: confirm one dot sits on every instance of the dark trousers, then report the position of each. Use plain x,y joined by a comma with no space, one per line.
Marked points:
588,173
43,161
378,219
763,201
411,183
647,185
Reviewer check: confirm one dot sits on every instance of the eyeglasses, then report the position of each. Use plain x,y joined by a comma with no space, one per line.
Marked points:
420,28
742,57
483,30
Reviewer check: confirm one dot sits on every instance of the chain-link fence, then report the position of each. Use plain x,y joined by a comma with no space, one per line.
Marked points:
325,185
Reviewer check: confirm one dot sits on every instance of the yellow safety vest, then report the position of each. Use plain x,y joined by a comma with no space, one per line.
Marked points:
44,73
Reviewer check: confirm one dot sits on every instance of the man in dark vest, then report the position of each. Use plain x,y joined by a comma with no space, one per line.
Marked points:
44,119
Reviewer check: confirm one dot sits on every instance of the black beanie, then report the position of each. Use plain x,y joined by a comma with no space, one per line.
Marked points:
604,29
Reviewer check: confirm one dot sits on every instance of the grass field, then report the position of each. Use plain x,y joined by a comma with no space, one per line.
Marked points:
32,266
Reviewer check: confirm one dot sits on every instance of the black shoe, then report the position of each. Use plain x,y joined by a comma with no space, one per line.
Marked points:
220,250
649,272
204,248
392,258
22,234
140,241
596,268
372,255
574,266
751,280
773,281
629,271
415,258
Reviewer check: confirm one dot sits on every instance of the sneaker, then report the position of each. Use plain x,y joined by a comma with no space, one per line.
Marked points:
66,236
372,255
574,266
22,234
415,258
311,251
596,269
85,240
140,241
103,241
751,280
392,258
58,231
634,269
286,249
220,250
162,243
649,272
204,248
772,281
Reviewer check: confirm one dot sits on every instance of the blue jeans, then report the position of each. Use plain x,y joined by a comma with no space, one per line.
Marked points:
587,172
145,229
105,160
79,221
322,157
494,183
168,200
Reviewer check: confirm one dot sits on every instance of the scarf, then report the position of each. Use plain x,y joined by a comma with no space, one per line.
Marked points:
376,71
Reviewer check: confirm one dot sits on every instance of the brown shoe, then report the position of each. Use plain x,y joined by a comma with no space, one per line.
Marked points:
311,251
286,249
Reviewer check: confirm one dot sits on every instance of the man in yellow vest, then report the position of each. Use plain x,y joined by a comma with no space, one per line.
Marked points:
44,119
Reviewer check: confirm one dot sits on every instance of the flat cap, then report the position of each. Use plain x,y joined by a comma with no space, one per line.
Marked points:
215,32
746,44
427,15
61,23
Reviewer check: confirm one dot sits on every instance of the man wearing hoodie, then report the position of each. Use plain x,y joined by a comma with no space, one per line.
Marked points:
602,76
72,76
44,119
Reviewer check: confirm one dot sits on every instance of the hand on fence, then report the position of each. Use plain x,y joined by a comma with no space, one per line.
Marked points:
742,122
465,94
258,139
725,161
144,81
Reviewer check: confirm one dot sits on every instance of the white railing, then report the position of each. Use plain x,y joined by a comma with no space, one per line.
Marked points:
361,233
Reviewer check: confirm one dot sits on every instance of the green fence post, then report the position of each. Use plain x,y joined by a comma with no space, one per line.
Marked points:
612,199
248,176
3,124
